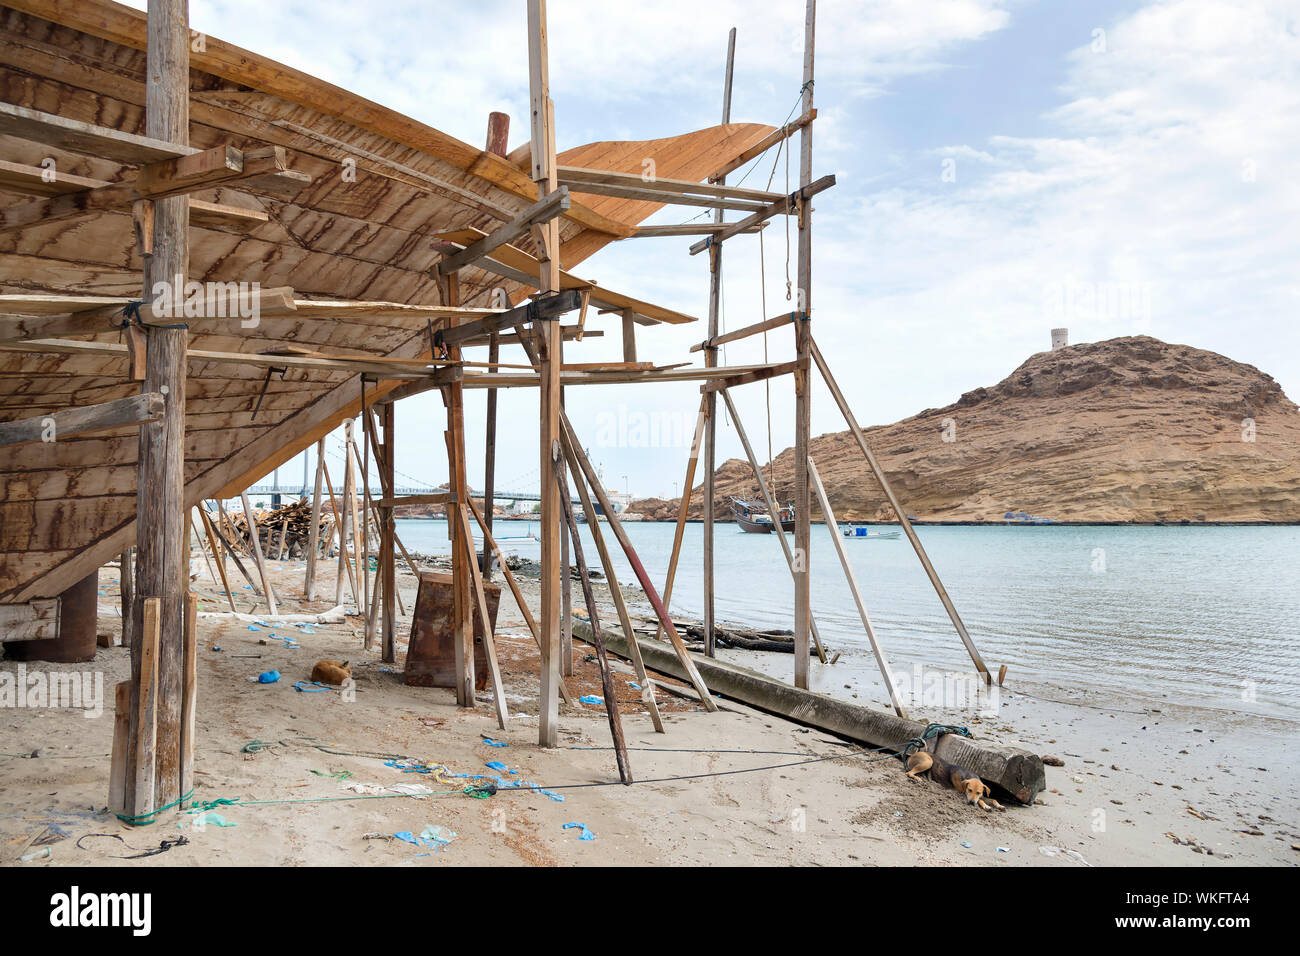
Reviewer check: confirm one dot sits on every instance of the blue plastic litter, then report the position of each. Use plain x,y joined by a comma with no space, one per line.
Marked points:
493,743
310,687
253,627
634,685
592,699
584,835
268,677
966,844
498,766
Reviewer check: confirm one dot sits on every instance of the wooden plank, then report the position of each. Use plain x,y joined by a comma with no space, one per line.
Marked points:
784,206
388,535
141,796
119,760
42,181
216,554
629,336
544,210
773,511
146,407
540,309
86,138
900,511
224,215
189,694
34,621
833,527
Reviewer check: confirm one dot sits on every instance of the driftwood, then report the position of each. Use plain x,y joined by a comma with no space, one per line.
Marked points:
284,532
724,635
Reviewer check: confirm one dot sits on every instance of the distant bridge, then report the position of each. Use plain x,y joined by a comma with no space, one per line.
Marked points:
497,496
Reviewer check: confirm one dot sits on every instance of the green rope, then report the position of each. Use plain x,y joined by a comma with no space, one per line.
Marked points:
144,819
931,730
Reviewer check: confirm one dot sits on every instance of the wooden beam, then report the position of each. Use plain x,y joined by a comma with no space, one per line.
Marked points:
838,541
87,138
544,210
670,197
710,399
169,177
687,229
784,206
142,784
539,309
254,540
34,621
802,387
577,177
758,149
900,511
313,530
481,605
136,410
770,501
754,375
744,333
629,336
189,694
546,356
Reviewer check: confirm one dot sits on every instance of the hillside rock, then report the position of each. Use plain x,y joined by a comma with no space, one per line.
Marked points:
1129,429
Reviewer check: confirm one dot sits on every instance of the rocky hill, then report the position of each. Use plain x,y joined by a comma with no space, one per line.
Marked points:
1130,429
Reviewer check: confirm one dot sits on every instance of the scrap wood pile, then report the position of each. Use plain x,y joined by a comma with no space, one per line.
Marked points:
282,532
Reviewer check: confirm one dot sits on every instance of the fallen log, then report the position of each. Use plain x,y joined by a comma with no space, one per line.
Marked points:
1013,773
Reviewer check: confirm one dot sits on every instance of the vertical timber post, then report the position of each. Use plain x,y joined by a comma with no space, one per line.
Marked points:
161,532
711,359
313,532
802,378
498,143
388,534
547,337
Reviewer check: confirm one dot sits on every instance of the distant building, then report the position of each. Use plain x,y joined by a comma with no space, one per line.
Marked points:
1060,338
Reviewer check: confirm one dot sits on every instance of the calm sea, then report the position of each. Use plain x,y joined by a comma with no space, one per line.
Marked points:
1206,616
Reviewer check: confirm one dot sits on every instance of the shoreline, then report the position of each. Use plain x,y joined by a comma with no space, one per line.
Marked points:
1138,776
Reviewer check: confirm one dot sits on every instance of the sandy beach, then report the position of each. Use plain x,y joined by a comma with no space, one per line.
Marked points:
1139,785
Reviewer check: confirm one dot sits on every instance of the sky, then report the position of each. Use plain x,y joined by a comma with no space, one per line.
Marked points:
1004,167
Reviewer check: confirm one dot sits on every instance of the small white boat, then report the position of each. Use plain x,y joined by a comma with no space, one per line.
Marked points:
858,531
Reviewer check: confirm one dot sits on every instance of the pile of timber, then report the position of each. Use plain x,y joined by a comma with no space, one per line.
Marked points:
283,533
727,635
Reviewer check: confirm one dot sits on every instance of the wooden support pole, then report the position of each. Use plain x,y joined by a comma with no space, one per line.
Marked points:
257,552
194,528
901,512
597,638
119,763
162,539
629,335
520,600
466,536
710,400
833,527
776,524
189,695
498,143
579,457
566,584
683,505
547,343
616,592
230,548
802,384
313,532
371,609
388,535
217,553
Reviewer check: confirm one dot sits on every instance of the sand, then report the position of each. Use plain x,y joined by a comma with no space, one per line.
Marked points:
1219,783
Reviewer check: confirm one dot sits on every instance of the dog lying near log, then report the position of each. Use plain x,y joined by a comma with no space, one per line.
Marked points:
331,672
975,790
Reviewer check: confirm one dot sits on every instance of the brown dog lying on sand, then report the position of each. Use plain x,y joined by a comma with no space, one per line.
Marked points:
331,672
960,779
